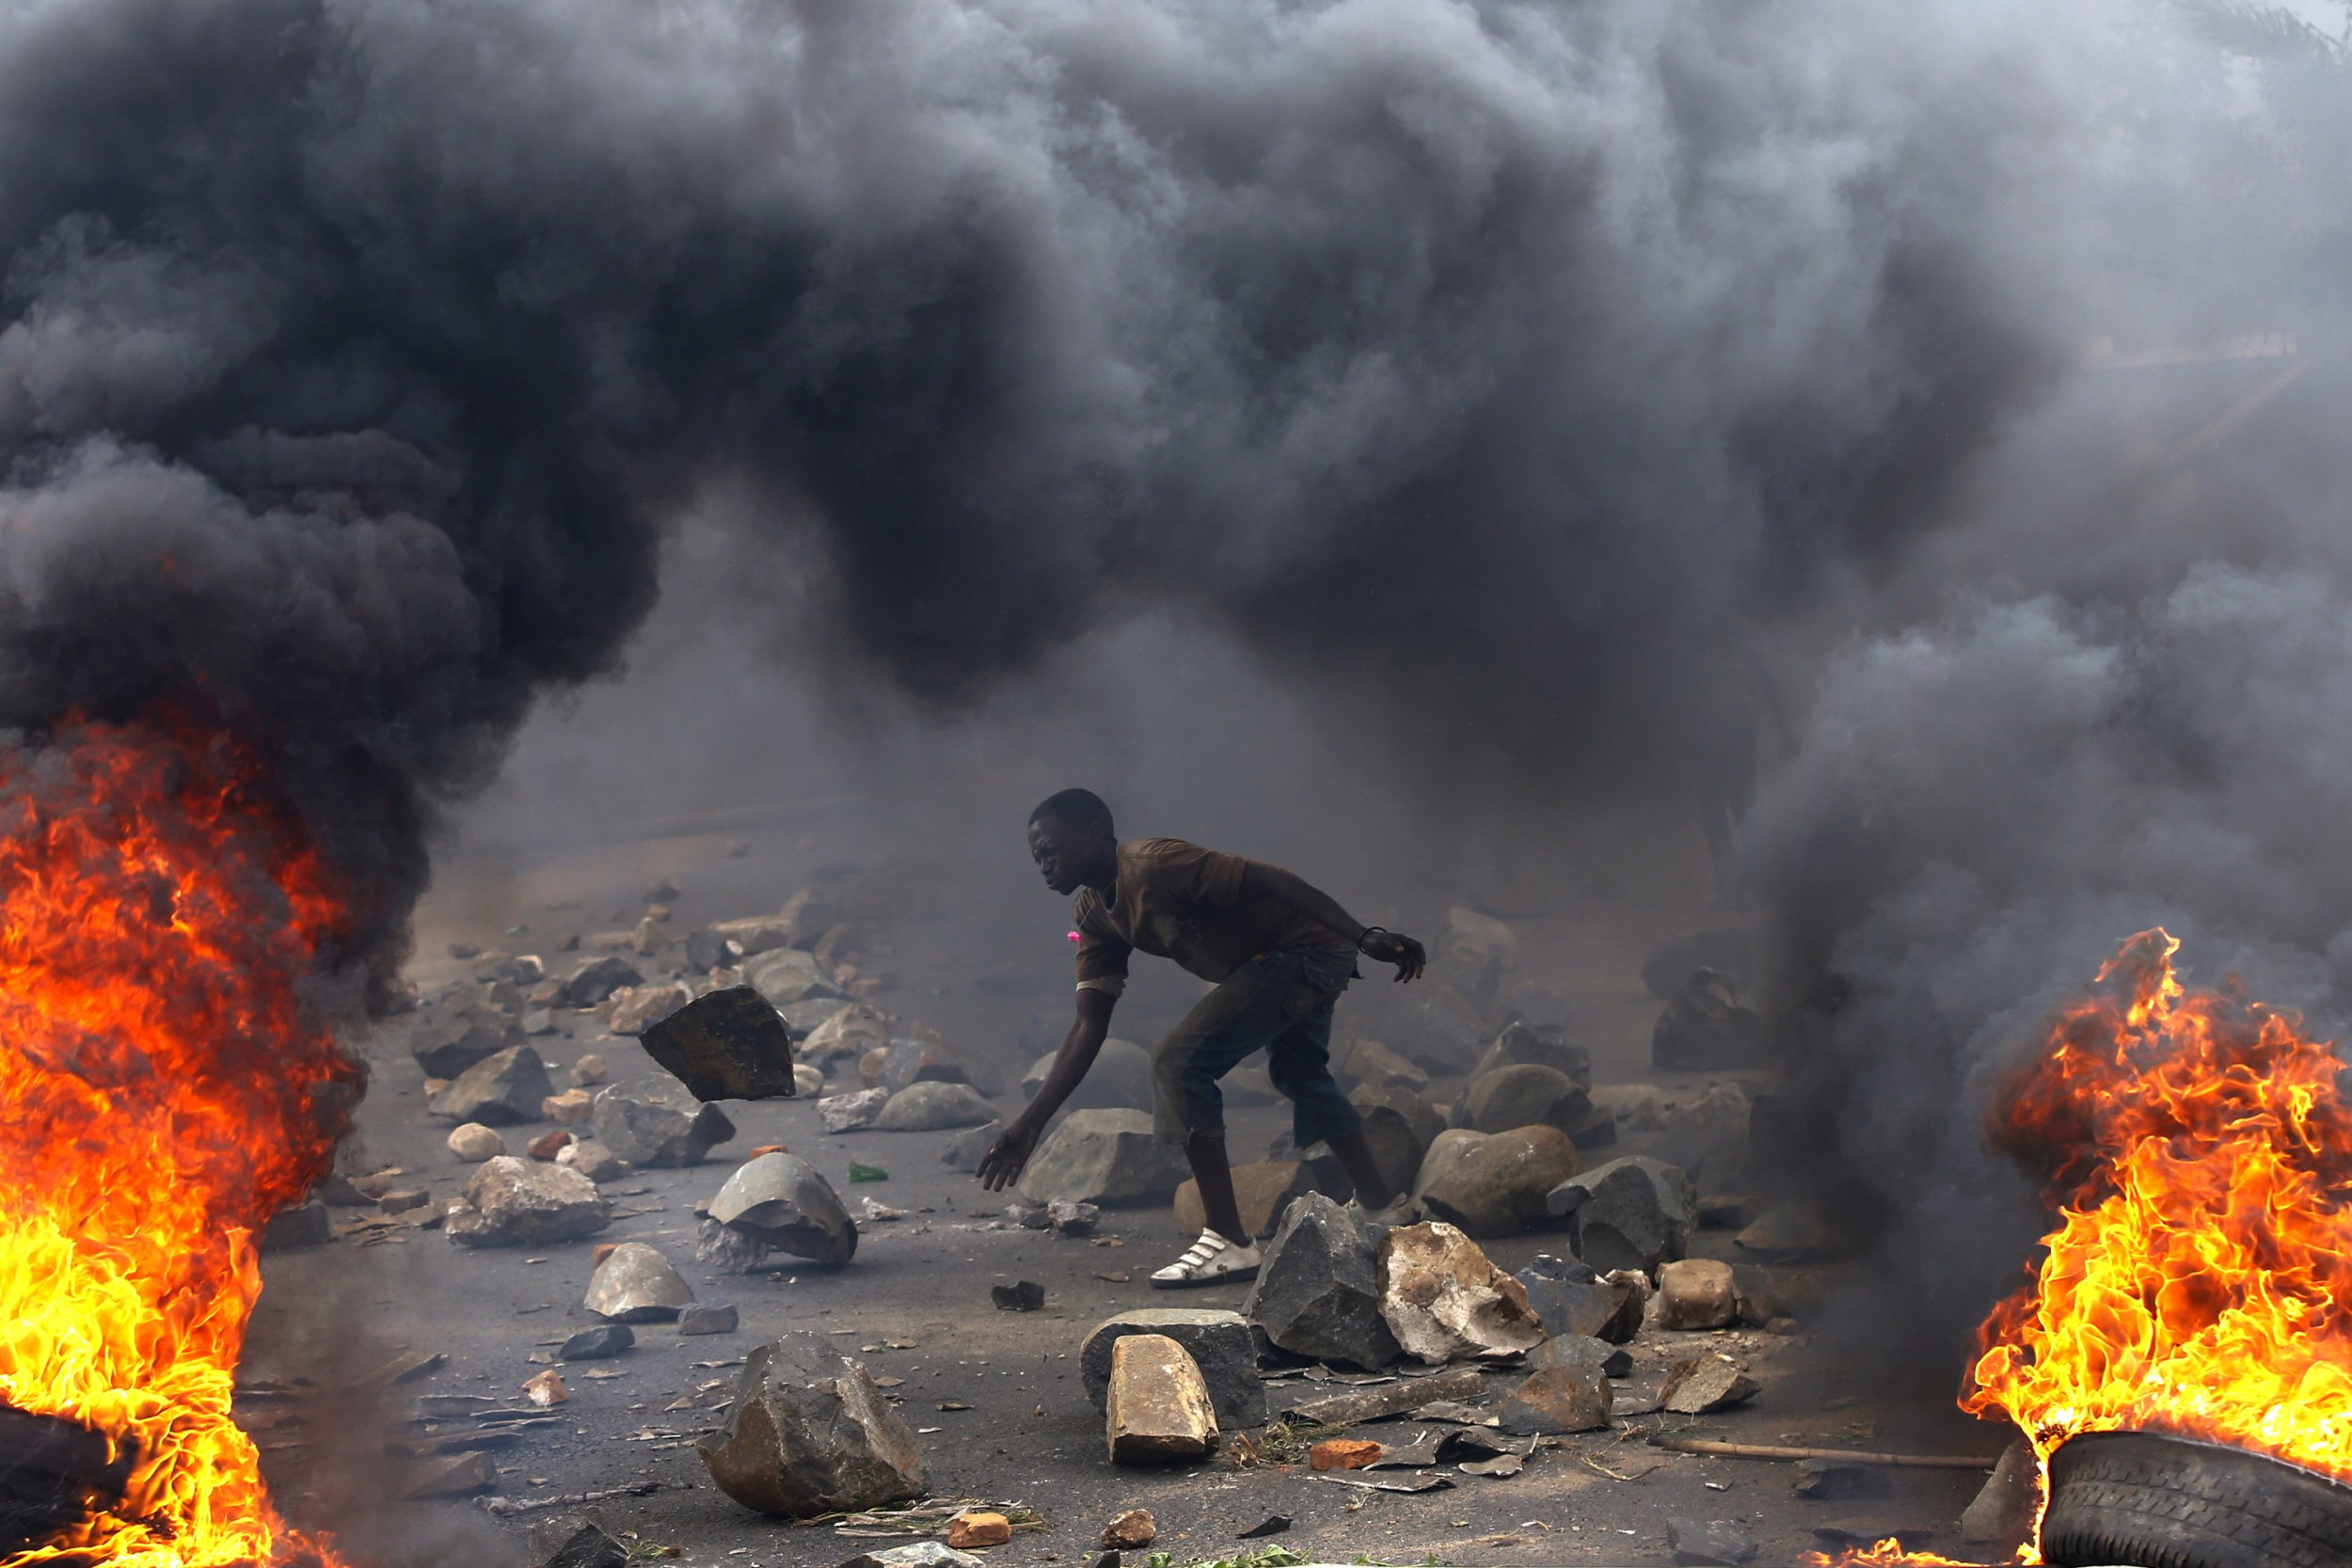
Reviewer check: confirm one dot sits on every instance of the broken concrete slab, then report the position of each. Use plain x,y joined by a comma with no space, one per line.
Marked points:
810,1434
1445,1301
931,1106
1156,1407
1120,1079
1697,1293
1574,1299
500,1090
516,1202
1218,1342
1555,1400
1106,1157
1499,1186
474,1143
1633,1212
1715,1380
635,1284
849,1113
731,1044
656,1120
782,1201
1318,1293
1708,1028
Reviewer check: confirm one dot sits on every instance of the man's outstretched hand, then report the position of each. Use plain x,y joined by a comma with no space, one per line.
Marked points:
1001,1166
1389,949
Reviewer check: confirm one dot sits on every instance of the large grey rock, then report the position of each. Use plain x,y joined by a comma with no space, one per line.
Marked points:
496,1091
1708,1028
1575,1300
1219,1343
656,1120
964,1150
934,1107
1525,1095
516,1202
782,1201
1634,1212
446,1047
1106,1157
1445,1301
1537,1045
635,1284
598,978
1120,1079
1497,1187
809,1433
731,1044
1318,1293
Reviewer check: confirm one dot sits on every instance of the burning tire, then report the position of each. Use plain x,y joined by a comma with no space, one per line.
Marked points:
2147,1501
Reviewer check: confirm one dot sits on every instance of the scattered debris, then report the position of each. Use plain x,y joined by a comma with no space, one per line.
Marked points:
588,1546
304,1224
920,1554
1072,1219
873,1212
1831,1480
546,1145
862,1172
1026,1296
593,1160
1156,1407
1393,1399
1502,1466
706,1316
808,1432
571,1108
1445,1301
589,1071
595,979
2002,1514
1131,1531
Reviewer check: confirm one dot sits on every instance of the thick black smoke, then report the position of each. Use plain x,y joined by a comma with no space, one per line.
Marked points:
1487,357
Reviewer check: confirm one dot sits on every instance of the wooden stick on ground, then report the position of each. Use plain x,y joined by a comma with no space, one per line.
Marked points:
1844,1456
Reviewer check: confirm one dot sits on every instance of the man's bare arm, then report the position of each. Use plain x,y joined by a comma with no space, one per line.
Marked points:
1002,1164
1295,892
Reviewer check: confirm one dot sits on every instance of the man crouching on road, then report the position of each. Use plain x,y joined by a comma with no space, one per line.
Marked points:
1278,951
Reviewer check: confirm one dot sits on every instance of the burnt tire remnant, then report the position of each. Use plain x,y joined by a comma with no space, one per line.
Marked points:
2170,1502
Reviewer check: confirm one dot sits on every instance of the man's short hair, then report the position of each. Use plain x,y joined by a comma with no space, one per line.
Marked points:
1077,808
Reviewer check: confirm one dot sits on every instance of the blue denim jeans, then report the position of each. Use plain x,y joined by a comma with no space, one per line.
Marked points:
1281,1003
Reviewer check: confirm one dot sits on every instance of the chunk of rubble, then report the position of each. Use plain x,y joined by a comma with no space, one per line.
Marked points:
1445,1301
790,975
1715,1380
1498,1187
500,1090
964,1151
446,1047
933,1107
589,1070
1522,1096
917,1554
1555,1400
599,1343
1577,1349
1260,1192
2002,1514
635,1284
1120,1079
1537,1045
755,934
849,1031
593,1160
570,1108
849,1113
518,1202
1156,1407
730,1044
595,979
1710,1543
1423,1119
978,1528
588,1546
1131,1531
546,1145
1573,1299
707,1317
1708,1028
473,1142
1106,1157
1219,1344
784,1202
1375,1067
655,1121
1318,1293
810,1434
1073,1219
1397,1147
1633,1212
638,1008
1697,1293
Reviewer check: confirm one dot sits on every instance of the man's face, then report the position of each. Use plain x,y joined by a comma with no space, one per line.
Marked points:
1065,856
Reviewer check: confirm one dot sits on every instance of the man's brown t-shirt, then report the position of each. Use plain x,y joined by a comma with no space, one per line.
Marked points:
1177,900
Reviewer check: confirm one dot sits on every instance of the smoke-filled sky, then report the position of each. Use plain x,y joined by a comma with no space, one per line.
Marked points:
1511,378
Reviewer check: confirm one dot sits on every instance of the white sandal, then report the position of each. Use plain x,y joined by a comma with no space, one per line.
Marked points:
1211,1260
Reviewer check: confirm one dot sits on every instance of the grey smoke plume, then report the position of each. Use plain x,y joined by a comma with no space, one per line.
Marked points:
1484,356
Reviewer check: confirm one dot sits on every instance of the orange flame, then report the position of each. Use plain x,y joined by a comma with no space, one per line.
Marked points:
165,1087
1888,1553
2198,1151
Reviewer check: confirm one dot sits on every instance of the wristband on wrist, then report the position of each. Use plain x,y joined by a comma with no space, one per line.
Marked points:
1365,935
